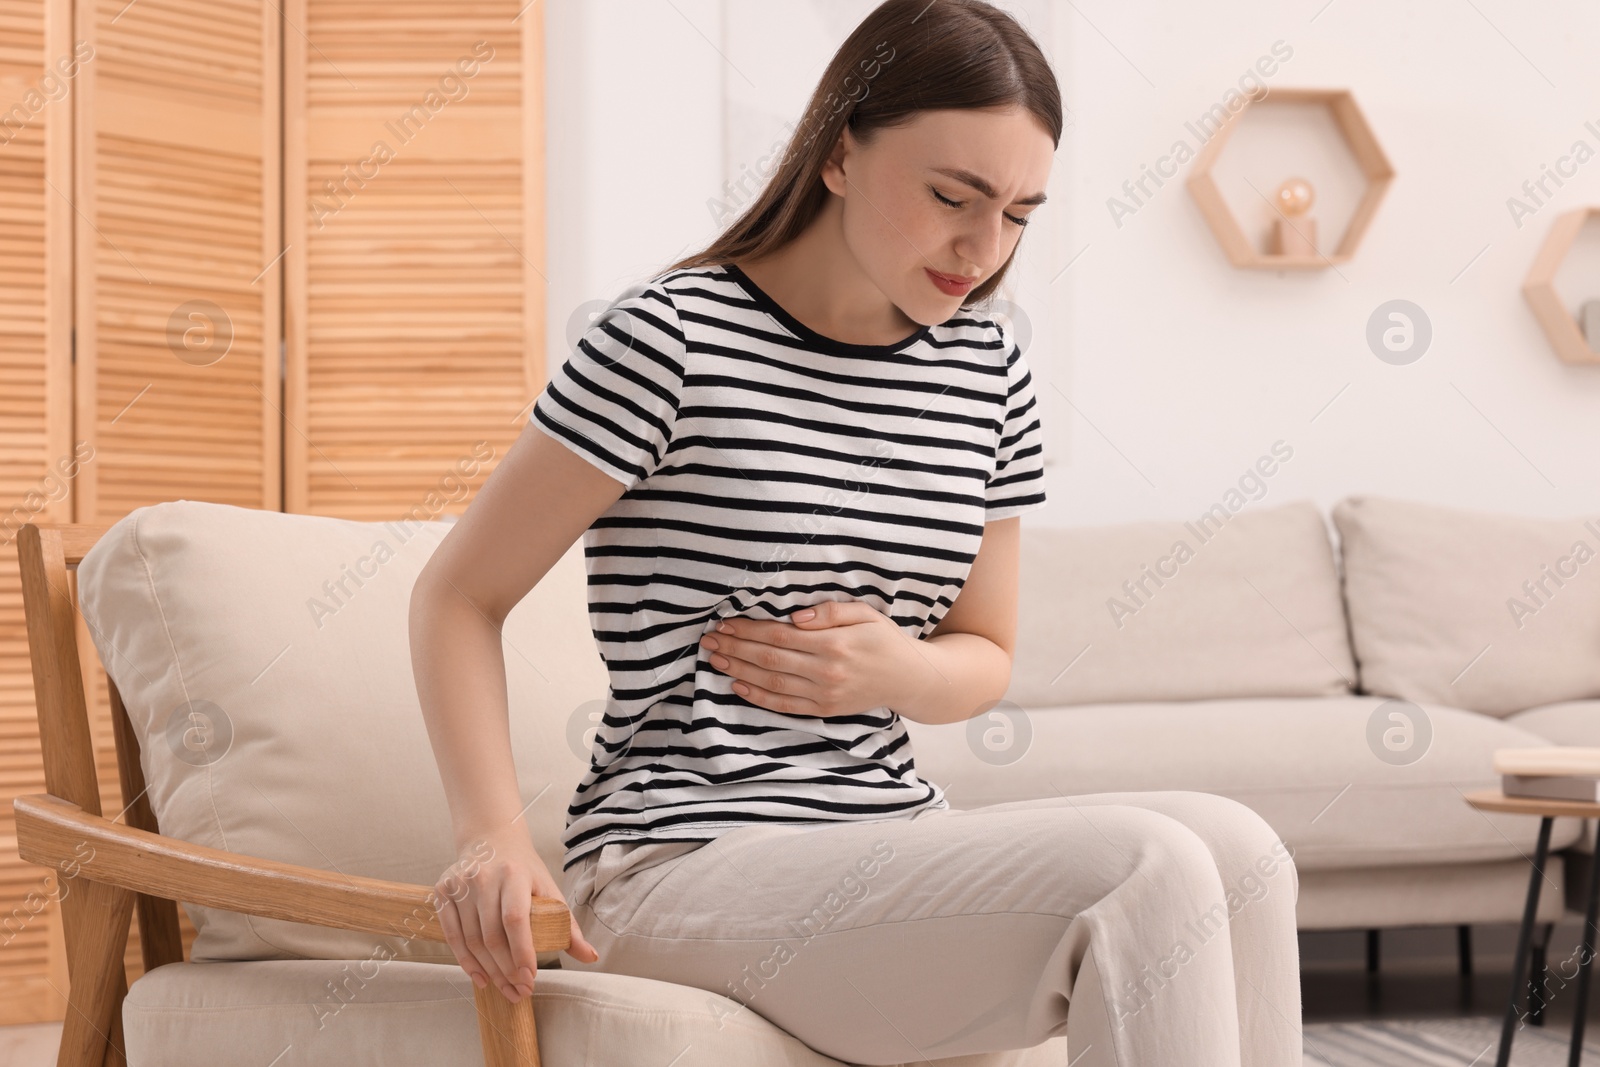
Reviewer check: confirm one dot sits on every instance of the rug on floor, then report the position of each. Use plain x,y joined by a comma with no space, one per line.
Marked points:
1469,1042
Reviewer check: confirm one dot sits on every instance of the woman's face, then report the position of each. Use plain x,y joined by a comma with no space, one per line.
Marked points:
899,229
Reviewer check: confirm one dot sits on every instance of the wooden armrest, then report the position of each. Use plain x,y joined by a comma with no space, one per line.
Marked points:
57,833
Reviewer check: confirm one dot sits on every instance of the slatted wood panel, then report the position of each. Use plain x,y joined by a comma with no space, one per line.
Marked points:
39,72
154,186
178,278
415,309
178,167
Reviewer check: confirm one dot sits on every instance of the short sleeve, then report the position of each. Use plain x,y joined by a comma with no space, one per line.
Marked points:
1017,485
614,399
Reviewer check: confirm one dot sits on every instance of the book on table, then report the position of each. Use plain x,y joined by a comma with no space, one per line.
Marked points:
1552,787
1550,773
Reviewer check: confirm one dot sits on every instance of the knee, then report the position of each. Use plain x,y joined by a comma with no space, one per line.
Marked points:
1175,855
1250,856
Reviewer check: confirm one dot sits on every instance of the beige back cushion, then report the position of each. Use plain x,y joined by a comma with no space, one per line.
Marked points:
1493,613
290,632
1238,606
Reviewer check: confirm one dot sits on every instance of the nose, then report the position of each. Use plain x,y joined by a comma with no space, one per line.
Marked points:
982,244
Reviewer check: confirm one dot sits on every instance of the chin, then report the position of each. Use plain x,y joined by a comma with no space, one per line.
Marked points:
932,311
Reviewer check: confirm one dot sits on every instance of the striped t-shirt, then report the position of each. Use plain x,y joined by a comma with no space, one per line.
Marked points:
768,467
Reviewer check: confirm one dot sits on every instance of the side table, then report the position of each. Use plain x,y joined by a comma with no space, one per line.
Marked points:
1548,811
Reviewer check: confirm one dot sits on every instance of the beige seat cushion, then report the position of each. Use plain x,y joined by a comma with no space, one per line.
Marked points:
1243,606
409,1014
1571,722
290,633
1305,765
1495,613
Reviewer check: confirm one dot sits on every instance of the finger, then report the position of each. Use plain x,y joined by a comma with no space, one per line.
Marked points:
777,633
472,935
494,941
744,683
760,663
450,923
580,948
766,698
774,655
518,901
828,613
797,685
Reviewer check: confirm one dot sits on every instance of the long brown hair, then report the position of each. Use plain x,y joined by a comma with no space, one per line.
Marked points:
906,56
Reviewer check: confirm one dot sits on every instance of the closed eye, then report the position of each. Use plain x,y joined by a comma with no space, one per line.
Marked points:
937,195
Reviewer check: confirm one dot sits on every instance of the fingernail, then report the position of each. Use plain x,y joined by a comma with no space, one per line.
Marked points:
723,627
479,980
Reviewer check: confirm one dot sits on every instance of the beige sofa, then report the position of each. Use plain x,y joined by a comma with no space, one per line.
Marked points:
1233,674
1229,663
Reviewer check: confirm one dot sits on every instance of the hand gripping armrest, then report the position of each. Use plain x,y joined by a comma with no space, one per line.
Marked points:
57,833
52,832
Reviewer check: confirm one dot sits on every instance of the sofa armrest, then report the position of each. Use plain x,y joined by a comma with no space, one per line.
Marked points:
56,833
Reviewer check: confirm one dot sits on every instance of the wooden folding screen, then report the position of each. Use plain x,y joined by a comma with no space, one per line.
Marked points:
266,308
414,197
38,75
177,164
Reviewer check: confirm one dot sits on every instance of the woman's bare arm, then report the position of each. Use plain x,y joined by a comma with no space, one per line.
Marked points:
971,650
539,500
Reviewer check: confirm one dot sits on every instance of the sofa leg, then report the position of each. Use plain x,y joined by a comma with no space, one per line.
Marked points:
1372,952
1464,948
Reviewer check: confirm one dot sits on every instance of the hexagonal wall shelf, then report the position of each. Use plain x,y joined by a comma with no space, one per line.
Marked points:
1539,288
1358,137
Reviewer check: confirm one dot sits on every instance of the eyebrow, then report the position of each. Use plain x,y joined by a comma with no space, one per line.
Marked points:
966,177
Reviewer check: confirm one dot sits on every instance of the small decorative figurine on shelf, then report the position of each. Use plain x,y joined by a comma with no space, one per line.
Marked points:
1590,317
1294,233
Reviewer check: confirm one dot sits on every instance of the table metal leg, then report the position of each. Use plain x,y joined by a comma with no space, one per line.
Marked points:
1539,974
1580,1007
1524,938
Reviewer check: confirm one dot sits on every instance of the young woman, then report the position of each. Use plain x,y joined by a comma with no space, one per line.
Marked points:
798,462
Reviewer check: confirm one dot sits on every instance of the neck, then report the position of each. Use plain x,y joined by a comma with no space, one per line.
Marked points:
817,279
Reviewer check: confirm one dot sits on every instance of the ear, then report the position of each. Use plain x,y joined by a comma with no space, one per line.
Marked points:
833,167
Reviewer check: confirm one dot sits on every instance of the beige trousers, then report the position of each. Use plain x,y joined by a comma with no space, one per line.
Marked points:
1156,929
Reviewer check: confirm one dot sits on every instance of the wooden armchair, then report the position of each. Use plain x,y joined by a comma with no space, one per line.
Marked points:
117,867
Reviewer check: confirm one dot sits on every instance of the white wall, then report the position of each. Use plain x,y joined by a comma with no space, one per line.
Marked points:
634,135
1164,371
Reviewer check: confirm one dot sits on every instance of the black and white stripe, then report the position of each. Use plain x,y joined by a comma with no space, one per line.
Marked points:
768,467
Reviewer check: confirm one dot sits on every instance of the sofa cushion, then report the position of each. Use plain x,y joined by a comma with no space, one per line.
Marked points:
1477,610
1239,605
1571,722
369,1013
1321,771
282,641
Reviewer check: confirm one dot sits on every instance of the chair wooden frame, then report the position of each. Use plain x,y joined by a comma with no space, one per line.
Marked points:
116,868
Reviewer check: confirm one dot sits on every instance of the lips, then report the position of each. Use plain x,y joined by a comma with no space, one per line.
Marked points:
950,284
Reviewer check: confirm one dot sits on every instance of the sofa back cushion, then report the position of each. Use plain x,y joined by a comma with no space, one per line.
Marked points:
264,660
1227,605
1489,612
